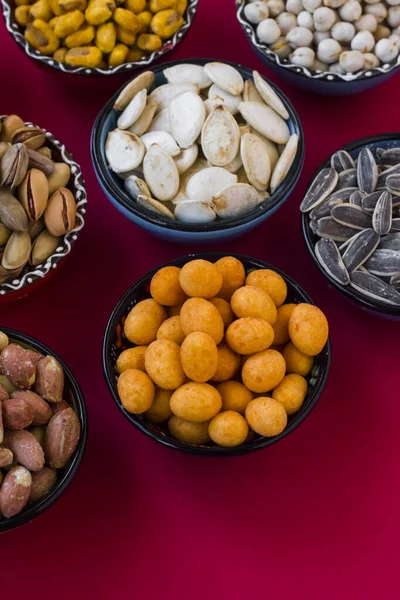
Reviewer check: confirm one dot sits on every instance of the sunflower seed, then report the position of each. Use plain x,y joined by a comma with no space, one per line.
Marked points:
382,217
393,184
329,257
384,262
395,281
347,178
135,186
367,171
379,152
351,215
387,173
374,288
342,161
356,197
360,249
324,183
347,243
369,201
324,209
327,227
395,225
390,157
390,242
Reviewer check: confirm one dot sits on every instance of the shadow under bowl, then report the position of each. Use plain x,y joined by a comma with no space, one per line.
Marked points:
72,395
385,141
112,348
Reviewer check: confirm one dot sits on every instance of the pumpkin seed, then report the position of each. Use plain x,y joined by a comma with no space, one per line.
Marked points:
187,73
163,95
367,171
359,249
255,160
143,81
186,116
161,121
266,121
220,137
218,96
351,216
124,151
322,186
342,161
382,217
235,200
374,288
160,173
384,262
329,257
285,161
208,183
154,206
250,93
142,124
195,211
133,111
225,77
186,158
269,96
165,140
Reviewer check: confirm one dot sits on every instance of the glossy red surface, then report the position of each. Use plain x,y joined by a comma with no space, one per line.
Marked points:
315,516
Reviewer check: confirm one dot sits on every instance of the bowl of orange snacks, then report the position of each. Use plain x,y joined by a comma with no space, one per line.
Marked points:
216,354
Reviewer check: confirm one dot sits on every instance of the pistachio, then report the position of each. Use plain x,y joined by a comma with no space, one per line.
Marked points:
5,233
7,275
4,146
14,165
33,194
45,151
17,251
59,177
37,160
35,227
32,137
45,245
12,215
60,212
10,124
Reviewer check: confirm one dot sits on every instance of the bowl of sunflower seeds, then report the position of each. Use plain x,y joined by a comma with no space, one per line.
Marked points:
351,222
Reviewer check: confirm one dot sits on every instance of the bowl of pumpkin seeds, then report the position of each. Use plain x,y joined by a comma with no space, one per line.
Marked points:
198,150
351,222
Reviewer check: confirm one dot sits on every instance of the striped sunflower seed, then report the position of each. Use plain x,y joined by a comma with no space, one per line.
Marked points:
351,216
327,227
393,184
382,217
390,242
347,179
369,201
374,288
341,161
390,157
322,186
395,225
359,249
395,281
337,197
384,262
387,173
367,171
329,257
357,197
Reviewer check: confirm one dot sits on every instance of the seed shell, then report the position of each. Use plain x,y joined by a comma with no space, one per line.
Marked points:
360,248
220,137
390,157
255,160
327,227
269,96
342,161
382,217
329,257
225,77
285,161
384,262
393,184
357,197
195,211
154,206
235,200
369,201
351,215
322,186
367,171
347,178
160,173
390,242
387,173
395,225
374,288
266,121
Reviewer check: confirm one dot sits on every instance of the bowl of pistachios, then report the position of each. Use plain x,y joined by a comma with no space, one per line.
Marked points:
42,206
330,47
198,149
351,222
98,37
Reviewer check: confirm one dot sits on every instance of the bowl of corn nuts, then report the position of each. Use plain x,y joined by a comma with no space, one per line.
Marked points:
330,47
42,206
98,37
195,149
216,355
351,222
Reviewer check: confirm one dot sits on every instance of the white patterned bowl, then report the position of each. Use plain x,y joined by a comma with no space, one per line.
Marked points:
7,7
31,277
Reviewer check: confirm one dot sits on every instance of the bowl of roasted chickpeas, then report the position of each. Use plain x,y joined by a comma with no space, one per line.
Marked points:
216,355
98,37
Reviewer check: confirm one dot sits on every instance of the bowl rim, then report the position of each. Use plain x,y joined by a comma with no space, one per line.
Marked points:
308,235
14,29
35,510
123,199
68,240
169,442
326,76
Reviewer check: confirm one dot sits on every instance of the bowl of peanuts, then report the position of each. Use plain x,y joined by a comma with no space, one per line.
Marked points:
216,355
331,47
98,37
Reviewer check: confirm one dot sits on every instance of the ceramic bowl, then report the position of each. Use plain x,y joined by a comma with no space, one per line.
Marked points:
331,84
159,433
388,140
33,277
48,62
176,231
73,395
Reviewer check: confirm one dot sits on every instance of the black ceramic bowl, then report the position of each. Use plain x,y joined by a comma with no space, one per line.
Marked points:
328,83
73,395
174,230
387,140
14,29
139,291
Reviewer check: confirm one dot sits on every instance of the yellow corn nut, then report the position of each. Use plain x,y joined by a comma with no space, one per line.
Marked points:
157,5
127,20
21,2
149,42
134,55
118,55
41,10
136,6
82,37
41,36
106,37
102,65
60,54
166,23
69,23
70,5
99,11
145,18
55,7
53,22
180,6
22,15
88,56
125,37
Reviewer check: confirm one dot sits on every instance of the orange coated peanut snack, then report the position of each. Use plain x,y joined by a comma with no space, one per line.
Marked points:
218,356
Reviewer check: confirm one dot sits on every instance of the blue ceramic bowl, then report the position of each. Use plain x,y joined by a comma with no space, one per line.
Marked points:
387,140
113,344
176,231
327,83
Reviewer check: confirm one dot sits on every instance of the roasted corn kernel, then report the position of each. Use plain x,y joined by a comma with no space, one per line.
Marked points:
125,37
22,2
82,37
180,6
55,7
145,18
41,10
136,6
70,5
69,23
149,42
118,55
106,36
53,22
41,36
166,23
157,5
22,15
127,20
60,55
88,56
134,55
99,11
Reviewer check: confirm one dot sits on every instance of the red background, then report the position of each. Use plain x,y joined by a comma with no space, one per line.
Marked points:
315,516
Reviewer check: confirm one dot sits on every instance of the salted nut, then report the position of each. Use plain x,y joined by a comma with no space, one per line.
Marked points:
37,160
60,213
17,251
44,246
12,215
33,194
14,165
32,137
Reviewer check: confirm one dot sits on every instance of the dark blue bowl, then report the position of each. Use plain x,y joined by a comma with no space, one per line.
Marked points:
176,231
385,311
327,83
